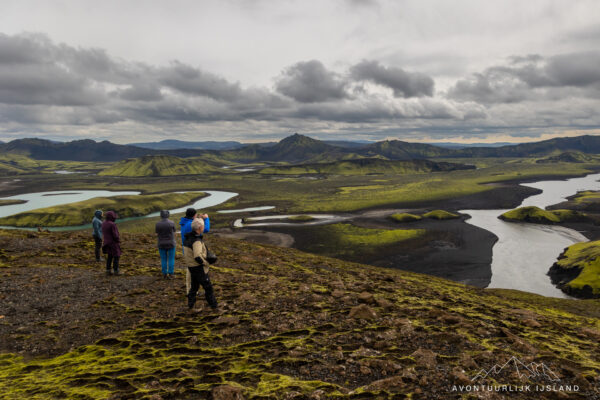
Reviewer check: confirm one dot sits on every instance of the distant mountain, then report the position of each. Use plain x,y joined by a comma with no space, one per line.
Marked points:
366,166
295,148
399,150
452,145
171,144
159,165
585,144
82,150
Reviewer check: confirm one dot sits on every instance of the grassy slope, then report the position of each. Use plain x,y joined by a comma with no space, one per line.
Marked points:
286,330
159,166
440,214
405,217
20,164
584,256
81,212
539,216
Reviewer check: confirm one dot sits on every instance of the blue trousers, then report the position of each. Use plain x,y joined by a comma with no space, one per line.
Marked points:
167,258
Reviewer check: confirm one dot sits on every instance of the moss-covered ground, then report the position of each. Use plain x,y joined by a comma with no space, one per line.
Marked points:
405,217
290,325
159,166
80,213
440,215
585,259
539,216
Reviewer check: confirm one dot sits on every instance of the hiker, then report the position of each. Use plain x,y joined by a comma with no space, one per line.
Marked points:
195,258
112,243
97,233
185,223
165,229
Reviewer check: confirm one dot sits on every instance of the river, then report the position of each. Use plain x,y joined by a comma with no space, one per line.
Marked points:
524,252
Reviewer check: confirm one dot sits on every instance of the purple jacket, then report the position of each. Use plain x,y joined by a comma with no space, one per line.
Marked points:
110,234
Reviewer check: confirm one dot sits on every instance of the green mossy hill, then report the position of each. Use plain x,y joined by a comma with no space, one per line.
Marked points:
301,218
537,215
588,201
290,325
364,166
81,213
405,217
577,271
569,157
159,166
440,214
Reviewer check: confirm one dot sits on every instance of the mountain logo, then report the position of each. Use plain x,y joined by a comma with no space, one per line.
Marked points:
531,370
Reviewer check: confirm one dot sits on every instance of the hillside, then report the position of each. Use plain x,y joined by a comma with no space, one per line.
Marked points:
291,325
82,150
159,166
399,150
171,144
296,149
584,144
364,166
570,157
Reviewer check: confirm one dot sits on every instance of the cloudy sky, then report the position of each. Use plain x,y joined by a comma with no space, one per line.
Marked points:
128,71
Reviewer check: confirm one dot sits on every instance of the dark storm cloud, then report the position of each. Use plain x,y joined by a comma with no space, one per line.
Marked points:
311,82
403,84
194,81
533,78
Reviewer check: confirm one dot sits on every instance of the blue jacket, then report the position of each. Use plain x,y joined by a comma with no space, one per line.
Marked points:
97,224
186,226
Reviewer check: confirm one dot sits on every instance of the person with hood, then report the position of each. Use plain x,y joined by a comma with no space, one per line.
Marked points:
97,233
185,223
112,243
165,229
195,257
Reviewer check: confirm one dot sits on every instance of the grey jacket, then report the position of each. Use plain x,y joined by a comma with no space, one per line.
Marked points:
97,224
165,229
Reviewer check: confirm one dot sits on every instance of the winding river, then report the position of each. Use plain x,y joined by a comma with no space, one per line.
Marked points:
521,257
524,252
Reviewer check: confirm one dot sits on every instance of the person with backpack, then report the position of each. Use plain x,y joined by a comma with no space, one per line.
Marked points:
97,233
112,243
165,230
196,259
185,223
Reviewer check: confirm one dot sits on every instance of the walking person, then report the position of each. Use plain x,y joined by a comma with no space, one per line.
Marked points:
195,258
112,243
165,230
97,233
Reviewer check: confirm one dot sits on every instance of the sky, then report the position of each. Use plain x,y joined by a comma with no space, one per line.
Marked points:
252,71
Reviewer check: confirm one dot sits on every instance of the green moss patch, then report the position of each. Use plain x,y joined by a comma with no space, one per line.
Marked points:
405,217
585,259
81,212
440,214
537,215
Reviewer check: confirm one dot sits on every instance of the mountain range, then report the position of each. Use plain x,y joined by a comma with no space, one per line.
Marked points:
293,149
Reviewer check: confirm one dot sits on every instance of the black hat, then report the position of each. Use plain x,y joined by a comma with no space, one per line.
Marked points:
190,212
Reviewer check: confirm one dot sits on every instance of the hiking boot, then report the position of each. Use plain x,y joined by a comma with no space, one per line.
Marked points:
191,301
164,276
116,273
171,276
108,272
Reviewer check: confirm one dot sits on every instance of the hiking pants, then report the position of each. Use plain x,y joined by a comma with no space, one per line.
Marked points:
199,277
115,263
98,248
167,260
